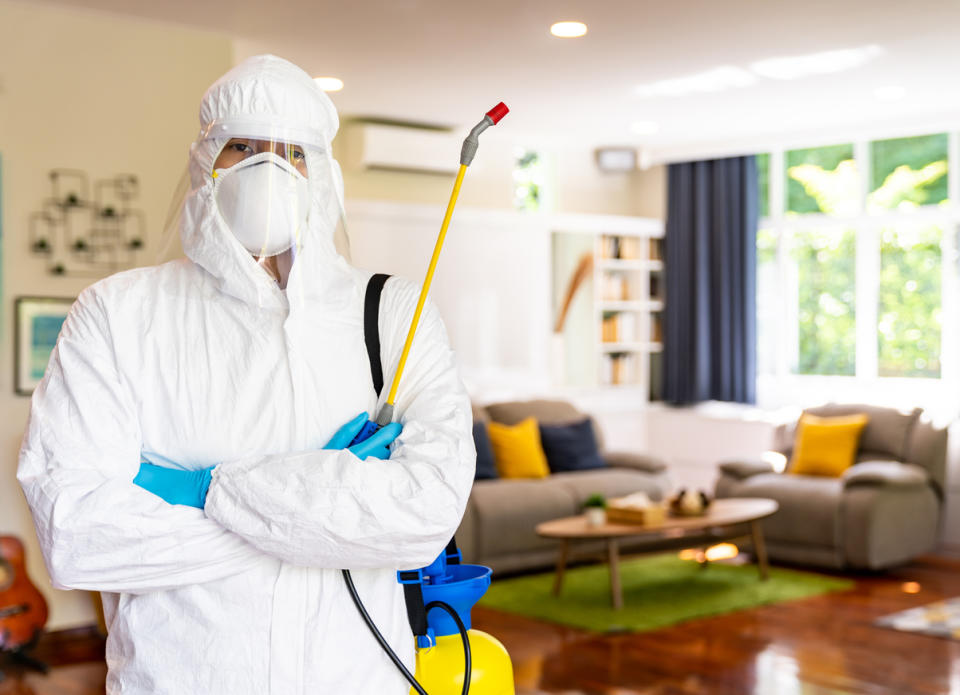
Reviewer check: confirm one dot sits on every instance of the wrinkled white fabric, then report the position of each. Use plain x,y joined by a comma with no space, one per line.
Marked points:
204,361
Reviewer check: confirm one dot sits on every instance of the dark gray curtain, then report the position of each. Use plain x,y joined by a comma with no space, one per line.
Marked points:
710,318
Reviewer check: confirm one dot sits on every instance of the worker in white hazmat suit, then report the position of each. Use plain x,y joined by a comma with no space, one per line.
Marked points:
240,364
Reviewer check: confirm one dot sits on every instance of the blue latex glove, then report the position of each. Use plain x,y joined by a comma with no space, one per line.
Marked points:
376,446
175,486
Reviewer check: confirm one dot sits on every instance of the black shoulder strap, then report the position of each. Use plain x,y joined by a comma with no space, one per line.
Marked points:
371,328
412,590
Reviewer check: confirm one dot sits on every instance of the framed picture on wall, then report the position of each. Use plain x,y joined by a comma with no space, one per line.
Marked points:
36,327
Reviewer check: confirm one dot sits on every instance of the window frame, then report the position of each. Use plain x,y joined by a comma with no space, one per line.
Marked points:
782,386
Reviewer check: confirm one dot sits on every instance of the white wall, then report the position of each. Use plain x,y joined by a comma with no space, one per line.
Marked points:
88,91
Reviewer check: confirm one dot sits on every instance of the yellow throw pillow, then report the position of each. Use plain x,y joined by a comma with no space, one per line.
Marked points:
826,446
517,450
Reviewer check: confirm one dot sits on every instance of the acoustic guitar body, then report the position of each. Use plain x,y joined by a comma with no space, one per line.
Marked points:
23,610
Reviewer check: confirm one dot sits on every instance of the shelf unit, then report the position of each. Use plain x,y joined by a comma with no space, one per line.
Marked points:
628,304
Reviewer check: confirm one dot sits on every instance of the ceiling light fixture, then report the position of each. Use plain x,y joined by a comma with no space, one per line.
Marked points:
644,128
329,84
825,62
568,30
890,92
713,80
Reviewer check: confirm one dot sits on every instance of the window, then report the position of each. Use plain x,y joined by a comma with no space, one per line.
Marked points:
527,181
856,263
823,261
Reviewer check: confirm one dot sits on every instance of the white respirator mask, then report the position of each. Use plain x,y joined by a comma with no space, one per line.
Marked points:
264,202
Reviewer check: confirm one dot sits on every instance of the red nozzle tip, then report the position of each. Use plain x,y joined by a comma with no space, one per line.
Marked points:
498,112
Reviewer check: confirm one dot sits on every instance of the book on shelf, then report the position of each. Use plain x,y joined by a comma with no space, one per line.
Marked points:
619,327
619,368
615,287
656,249
620,247
656,286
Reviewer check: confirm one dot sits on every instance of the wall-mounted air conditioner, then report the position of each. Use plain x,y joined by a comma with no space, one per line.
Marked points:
400,148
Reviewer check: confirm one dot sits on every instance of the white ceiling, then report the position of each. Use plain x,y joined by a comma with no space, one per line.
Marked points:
447,62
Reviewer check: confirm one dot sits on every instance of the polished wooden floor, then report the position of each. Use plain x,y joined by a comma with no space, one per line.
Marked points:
820,646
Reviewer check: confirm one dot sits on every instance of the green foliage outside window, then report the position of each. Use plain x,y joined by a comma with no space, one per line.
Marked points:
904,173
826,265
763,184
527,181
910,314
822,179
907,172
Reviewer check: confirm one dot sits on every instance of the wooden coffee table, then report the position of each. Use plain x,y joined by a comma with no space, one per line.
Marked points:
725,519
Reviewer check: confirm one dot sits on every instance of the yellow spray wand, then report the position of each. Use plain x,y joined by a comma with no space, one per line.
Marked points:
470,144
497,669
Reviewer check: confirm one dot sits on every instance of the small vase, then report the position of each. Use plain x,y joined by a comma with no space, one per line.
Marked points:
596,516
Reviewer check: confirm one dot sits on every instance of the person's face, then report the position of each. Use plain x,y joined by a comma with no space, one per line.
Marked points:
238,149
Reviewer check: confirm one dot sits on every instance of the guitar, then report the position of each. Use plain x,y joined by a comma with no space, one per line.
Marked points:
23,610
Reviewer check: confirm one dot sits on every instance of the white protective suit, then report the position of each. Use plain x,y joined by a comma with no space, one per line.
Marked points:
206,361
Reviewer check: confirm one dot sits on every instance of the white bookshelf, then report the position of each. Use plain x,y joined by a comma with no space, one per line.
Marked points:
628,304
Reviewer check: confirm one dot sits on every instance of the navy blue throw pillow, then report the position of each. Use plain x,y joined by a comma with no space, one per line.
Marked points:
485,466
571,447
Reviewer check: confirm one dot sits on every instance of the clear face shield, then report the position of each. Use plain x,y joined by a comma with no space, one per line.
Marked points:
277,191
262,192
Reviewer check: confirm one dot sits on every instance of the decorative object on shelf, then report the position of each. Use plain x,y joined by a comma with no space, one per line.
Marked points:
37,325
580,274
595,508
607,302
689,503
80,234
636,508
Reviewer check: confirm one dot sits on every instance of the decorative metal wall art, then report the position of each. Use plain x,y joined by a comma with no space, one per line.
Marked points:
80,234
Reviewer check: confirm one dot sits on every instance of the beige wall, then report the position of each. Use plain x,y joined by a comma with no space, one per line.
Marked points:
106,95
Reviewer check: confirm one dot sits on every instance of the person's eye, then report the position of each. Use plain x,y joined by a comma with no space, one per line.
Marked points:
298,154
242,148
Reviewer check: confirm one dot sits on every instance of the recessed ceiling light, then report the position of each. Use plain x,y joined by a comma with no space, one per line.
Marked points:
568,30
644,128
890,92
329,84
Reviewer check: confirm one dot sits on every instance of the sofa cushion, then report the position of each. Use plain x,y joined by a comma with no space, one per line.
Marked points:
745,469
486,468
547,412
826,445
810,506
517,450
609,482
570,447
506,513
892,473
887,433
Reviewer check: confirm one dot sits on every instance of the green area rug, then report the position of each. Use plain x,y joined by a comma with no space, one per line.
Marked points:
658,590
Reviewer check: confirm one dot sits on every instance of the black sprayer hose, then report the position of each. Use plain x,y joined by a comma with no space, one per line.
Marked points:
467,657
376,633
393,656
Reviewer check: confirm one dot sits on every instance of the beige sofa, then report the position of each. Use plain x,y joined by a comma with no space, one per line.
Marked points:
498,526
884,510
